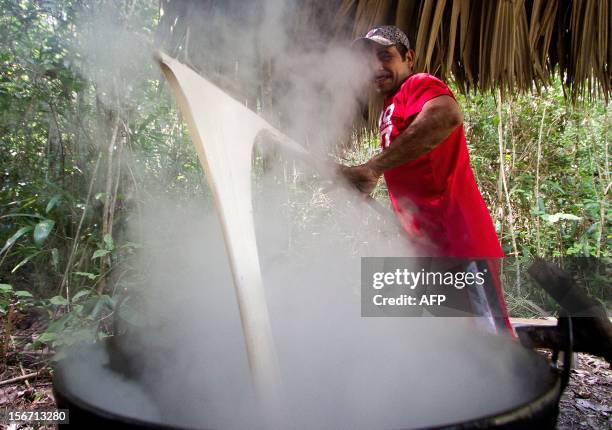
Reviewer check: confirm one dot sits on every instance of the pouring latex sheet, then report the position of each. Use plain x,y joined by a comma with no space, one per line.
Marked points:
224,133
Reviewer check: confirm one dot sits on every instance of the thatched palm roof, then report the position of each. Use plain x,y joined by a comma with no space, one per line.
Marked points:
510,44
483,44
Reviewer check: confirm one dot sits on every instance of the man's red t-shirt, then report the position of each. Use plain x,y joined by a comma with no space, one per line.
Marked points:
436,195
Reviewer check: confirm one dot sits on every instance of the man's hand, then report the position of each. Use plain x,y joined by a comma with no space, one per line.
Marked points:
362,177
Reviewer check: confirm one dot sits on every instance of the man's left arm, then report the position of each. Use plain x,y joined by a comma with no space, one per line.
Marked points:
436,121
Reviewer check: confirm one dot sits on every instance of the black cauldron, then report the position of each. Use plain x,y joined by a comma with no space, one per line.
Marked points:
539,412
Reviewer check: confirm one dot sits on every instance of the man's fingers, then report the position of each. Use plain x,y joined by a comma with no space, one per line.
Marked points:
359,177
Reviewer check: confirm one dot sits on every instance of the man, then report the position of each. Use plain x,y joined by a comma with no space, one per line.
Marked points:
425,161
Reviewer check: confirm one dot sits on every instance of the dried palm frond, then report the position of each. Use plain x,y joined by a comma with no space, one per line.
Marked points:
512,45
506,44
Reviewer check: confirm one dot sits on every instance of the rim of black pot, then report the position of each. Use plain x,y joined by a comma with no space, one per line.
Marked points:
546,399
60,390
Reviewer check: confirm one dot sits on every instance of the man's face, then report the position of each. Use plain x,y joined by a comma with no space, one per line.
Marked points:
389,69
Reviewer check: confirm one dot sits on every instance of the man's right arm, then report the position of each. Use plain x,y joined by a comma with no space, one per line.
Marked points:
439,117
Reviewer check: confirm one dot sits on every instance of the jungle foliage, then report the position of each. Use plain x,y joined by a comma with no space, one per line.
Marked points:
80,156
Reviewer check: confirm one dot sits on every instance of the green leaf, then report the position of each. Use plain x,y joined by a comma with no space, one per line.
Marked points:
133,245
55,258
13,238
42,230
59,324
58,301
555,186
5,288
80,294
47,337
100,253
104,302
552,219
53,203
87,275
24,261
108,242
22,215
23,293
86,334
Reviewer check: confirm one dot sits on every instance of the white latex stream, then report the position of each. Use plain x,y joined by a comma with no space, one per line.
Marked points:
223,132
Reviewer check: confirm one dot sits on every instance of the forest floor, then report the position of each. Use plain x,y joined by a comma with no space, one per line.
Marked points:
586,403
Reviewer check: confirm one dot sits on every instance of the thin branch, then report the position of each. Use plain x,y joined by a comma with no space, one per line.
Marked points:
18,379
537,183
107,216
20,363
502,175
75,241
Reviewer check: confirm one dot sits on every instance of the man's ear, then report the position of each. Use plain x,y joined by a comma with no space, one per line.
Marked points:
410,56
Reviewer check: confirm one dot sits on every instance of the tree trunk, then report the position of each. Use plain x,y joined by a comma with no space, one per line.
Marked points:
502,176
107,216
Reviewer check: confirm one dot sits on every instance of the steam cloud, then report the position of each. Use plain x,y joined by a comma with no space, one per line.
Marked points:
338,370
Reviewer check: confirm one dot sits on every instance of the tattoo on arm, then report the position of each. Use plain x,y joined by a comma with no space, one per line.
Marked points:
436,121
